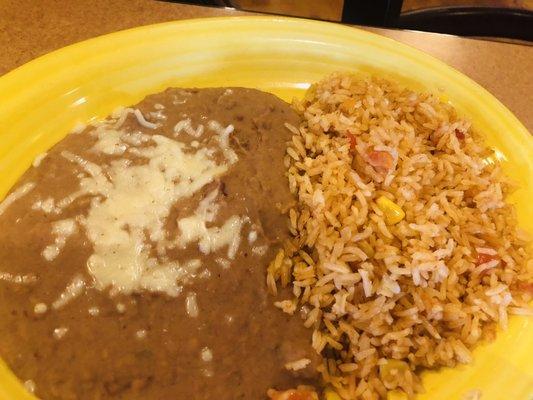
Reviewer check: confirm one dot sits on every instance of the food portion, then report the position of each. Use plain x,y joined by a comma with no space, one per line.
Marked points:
133,255
404,254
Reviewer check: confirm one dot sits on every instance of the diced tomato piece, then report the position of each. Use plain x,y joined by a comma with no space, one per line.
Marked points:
459,134
382,161
293,394
352,139
483,258
526,287
301,395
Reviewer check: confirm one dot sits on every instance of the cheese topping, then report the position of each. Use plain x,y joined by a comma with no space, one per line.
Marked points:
224,263
141,334
260,250
298,364
47,206
78,128
191,305
60,332
206,354
142,121
252,237
186,126
40,308
109,142
94,311
223,140
62,230
158,115
20,279
30,386
73,290
194,229
15,195
132,202
37,160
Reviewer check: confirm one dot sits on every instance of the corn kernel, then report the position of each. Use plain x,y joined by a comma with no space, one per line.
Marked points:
396,395
444,98
392,369
369,251
310,94
392,211
348,105
329,394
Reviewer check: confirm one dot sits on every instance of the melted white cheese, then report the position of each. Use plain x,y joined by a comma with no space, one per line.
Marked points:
260,250
186,126
252,237
19,279
109,142
194,228
224,263
158,115
94,311
133,201
142,121
206,354
141,334
37,160
30,386
15,195
60,332
191,305
62,230
73,290
40,308
47,206
223,140
137,200
120,114
78,128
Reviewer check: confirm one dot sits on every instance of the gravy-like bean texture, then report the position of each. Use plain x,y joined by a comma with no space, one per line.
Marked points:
118,283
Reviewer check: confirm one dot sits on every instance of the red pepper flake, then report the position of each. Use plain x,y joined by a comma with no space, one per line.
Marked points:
382,161
459,134
352,139
483,258
526,287
301,395
292,394
347,106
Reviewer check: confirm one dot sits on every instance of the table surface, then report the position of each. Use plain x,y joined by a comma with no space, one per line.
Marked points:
30,28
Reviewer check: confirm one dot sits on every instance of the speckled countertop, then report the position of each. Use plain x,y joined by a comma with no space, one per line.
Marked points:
30,28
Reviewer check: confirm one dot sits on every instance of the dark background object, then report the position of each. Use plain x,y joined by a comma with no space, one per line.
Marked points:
471,21
509,19
371,12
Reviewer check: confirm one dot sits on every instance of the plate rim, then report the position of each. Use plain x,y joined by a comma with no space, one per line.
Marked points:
388,44
400,47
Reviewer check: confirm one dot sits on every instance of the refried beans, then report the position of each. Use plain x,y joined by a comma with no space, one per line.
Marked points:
133,255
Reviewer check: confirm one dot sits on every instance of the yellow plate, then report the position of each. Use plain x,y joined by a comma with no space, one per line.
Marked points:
41,101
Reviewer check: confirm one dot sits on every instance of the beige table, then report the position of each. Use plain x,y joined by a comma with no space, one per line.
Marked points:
30,28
